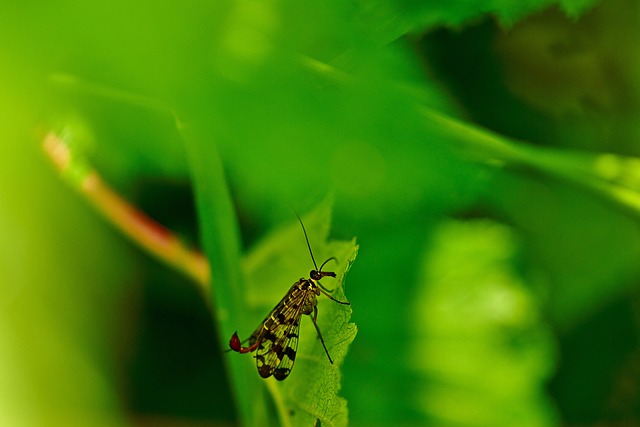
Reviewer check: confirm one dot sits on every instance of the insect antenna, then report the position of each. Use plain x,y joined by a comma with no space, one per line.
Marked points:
308,245
317,274
330,259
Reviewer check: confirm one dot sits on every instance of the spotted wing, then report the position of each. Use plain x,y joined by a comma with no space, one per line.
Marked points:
272,320
276,352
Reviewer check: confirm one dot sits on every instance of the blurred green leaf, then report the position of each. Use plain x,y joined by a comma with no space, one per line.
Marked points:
222,246
566,239
616,178
127,136
481,347
390,20
581,248
66,294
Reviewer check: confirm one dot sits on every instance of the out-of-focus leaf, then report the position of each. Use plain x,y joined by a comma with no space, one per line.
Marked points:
127,137
222,246
580,272
63,304
481,348
390,20
613,177
582,248
563,69
369,154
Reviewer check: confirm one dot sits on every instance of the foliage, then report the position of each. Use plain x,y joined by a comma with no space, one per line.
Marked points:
484,153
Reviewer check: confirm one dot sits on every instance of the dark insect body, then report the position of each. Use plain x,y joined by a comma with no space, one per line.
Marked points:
276,339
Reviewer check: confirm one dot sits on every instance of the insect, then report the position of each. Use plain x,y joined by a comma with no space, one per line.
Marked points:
276,339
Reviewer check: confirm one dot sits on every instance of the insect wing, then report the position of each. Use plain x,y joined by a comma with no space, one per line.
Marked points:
272,320
276,353
288,358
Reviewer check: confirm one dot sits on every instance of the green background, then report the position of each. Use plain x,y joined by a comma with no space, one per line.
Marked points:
483,153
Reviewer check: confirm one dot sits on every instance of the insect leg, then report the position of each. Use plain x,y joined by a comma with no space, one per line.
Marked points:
313,318
332,298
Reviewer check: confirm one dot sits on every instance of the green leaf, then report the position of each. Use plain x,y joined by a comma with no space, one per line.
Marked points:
613,177
481,347
117,128
585,261
390,20
66,278
310,393
222,246
563,245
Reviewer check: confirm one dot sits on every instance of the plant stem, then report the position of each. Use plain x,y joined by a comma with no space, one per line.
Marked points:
135,224
613,177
